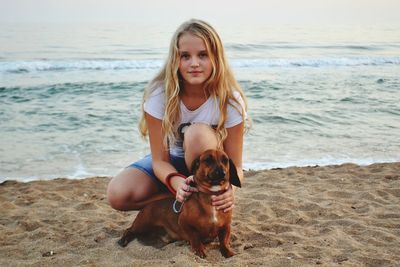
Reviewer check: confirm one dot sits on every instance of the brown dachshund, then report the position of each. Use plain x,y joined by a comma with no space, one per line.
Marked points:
199,222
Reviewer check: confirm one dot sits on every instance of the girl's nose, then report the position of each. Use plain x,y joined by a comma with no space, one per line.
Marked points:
195,62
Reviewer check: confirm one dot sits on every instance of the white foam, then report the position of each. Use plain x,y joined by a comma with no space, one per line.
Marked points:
256,166
99,64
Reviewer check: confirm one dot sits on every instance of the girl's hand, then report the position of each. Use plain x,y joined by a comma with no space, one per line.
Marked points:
184,190
224,201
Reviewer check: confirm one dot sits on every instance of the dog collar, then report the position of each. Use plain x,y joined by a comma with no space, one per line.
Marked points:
204,190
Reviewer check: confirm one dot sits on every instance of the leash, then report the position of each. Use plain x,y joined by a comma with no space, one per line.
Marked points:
174,208
180,208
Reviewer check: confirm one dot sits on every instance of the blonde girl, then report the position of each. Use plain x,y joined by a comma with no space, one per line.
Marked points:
192,105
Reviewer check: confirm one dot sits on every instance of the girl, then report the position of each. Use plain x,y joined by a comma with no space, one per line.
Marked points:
192,105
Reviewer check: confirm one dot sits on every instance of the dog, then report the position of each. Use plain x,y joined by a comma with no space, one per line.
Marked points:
198,222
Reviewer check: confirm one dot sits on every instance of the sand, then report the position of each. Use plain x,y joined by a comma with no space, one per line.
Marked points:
343,215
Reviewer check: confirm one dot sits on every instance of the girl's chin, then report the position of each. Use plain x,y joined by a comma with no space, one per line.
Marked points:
194,82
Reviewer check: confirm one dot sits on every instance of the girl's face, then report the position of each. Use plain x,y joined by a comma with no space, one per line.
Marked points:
195,65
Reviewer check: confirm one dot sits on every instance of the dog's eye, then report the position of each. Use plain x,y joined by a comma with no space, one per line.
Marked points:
224,160
209,160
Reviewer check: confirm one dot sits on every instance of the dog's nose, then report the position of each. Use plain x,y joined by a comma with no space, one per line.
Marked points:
220,173
217,175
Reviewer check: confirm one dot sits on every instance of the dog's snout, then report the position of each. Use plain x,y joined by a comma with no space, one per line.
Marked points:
217,175
219,172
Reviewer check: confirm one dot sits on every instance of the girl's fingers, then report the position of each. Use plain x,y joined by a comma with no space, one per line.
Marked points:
222,204
184,191
229,208
224,201
188,181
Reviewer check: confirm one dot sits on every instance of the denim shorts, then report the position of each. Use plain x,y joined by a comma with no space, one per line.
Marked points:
145,165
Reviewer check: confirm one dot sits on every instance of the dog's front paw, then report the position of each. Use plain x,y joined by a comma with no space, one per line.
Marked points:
201,253
227,253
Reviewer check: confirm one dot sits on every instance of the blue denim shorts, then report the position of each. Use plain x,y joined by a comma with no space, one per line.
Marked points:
145,165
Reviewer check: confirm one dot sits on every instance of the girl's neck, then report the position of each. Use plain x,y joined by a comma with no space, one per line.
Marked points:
194,91
193,97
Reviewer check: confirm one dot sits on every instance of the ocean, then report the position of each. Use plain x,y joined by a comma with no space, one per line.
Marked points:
70,95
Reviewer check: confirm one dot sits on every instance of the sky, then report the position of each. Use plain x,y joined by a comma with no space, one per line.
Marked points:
231,12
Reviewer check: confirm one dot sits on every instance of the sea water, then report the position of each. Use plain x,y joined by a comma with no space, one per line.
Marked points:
70,95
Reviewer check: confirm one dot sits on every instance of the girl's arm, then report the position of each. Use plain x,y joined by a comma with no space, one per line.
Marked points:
233,147
161,164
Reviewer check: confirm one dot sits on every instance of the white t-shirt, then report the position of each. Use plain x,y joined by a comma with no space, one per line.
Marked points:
207,113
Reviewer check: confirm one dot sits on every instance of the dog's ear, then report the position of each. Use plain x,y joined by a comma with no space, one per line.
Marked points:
195,165
233,176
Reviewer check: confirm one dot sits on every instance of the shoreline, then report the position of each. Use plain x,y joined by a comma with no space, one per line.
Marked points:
332,215
248,167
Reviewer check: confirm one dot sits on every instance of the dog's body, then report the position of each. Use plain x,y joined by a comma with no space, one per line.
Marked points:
199,222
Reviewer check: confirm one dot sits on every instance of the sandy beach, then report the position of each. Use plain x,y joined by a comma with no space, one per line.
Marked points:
345,215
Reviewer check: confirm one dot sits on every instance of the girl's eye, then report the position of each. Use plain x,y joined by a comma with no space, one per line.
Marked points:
185,56
203,55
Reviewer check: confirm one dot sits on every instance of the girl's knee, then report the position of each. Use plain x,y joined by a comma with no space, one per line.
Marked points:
119,192
115,196
200,137
128,188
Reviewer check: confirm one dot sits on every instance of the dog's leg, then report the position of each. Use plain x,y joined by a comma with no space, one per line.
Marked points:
140,225
224,236
194,239
197,246
167,238
127,237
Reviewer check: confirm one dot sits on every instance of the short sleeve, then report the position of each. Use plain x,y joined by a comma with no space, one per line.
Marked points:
155,104
235,110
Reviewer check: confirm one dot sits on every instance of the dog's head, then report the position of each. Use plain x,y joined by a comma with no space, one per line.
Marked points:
213,170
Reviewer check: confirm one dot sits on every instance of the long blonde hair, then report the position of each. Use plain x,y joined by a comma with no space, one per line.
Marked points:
221,84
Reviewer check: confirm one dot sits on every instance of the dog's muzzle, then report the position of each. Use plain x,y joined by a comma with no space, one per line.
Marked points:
216,176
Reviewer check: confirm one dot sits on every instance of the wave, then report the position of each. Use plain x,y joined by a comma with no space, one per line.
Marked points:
318,62
325,161
76,65
291,46
110,64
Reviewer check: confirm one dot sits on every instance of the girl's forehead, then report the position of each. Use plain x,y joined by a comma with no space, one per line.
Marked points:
190,41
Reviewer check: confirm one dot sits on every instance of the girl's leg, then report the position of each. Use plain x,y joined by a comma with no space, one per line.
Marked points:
131,185
198,138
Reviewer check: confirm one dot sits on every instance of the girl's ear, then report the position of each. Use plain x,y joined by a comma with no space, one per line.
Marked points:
233,176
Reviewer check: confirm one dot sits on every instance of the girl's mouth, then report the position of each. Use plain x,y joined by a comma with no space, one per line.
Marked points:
195,73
